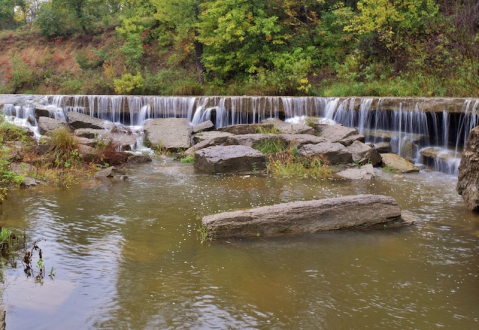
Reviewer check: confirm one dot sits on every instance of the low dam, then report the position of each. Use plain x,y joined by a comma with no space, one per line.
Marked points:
429,131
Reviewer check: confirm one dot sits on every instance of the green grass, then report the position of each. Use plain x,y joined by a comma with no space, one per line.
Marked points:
188,159
289,165
271,146
263,129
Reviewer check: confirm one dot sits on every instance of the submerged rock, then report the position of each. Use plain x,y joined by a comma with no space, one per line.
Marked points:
111,172
139,159
348,212
365,172
468,177
229,159
398,163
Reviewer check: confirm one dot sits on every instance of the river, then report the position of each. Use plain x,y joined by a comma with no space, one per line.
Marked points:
127,255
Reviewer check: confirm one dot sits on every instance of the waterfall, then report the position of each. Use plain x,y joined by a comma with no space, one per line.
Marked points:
408,124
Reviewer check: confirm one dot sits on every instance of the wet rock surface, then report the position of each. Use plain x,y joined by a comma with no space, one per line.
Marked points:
168,133
348,212
47,125
398,163
79,120
468,177
363,153
330,152
229,159
365,172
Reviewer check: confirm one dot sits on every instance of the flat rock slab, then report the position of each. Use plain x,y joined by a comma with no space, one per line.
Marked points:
348,212
246,128
333,153
252,140
288,128
229,159
398,163
168,133
337,133
79,120
203,127
299,140
203,136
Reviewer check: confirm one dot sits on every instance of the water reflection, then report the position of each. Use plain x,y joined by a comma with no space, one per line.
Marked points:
127,256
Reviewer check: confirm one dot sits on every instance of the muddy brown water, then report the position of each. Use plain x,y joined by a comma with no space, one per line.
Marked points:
127,256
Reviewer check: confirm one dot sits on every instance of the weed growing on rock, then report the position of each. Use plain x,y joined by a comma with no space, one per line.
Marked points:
271,146
188,159
263,129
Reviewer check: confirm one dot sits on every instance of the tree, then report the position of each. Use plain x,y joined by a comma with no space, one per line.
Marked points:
7,14
238,35
183,16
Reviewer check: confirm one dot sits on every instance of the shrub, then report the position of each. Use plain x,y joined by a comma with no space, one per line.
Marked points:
88,60
129,84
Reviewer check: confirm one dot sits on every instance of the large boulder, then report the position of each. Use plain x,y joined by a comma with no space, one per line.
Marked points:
79,120
363,153
41,111
348,212
398,164
339,133
47,124
229,159
468,177
168,133
333,153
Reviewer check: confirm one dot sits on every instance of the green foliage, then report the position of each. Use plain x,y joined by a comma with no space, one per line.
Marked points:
64,151
188,159
239,35
91,59
129,84
50,22
21,74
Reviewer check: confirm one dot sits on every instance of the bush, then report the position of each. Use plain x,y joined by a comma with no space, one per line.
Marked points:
88,60
129,84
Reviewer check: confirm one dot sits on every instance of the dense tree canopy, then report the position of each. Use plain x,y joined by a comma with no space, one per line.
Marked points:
284,46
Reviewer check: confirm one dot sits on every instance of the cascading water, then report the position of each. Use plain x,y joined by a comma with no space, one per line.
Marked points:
409,128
